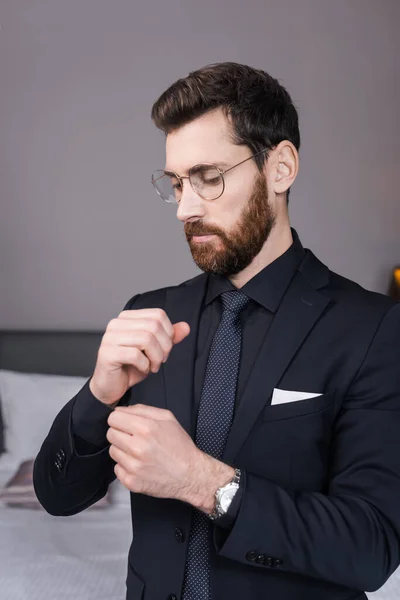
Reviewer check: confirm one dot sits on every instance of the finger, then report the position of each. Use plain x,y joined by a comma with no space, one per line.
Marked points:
120,439
155,347
124,423
126,461
143,410
123,332
122,475
149,313
128,356
129,336
119,471
128,423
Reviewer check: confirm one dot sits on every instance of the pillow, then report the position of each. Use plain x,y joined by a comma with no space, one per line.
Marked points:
1,431
30,402
19,491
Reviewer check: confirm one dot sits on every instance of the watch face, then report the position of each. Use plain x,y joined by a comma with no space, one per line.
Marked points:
226,498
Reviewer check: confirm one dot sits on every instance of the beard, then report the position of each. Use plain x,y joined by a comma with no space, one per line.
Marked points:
229,253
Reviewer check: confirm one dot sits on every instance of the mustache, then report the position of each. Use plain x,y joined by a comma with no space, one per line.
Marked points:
195,231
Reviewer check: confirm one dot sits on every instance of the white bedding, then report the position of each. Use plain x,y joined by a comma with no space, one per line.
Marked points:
81,557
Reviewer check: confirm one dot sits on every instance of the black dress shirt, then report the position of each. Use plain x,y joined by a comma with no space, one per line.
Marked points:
266,290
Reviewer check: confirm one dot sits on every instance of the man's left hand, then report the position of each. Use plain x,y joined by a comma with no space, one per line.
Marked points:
157,457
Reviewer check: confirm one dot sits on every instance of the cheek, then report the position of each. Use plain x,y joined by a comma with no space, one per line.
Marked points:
231,207
238,186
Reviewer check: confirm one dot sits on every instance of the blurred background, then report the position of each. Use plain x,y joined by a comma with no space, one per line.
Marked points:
82,230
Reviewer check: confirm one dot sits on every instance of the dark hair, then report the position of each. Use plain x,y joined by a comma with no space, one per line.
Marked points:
260,108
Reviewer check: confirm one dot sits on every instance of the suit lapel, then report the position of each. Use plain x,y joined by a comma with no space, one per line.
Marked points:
299,311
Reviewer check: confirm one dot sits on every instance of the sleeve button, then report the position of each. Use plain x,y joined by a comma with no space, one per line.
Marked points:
277,562
252,555
260,559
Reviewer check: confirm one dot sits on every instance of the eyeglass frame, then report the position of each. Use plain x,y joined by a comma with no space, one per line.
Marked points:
222,173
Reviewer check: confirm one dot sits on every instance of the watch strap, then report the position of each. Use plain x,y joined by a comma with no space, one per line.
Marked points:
218,512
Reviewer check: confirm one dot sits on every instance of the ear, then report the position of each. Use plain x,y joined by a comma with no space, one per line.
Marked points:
285,166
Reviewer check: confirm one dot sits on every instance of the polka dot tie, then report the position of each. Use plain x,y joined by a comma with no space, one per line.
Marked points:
213,424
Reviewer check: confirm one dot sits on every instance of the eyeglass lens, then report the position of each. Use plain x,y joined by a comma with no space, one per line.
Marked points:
205,180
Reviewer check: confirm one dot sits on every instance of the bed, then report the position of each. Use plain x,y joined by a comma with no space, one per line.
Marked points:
43,557
80,557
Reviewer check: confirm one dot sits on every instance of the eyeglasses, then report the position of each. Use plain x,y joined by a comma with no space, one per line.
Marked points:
206,179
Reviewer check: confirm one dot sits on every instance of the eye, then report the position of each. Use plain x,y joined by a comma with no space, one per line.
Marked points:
213,180
175,183
207,175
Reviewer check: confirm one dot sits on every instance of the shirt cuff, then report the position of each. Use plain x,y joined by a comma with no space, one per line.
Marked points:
89,420
83,447
227,520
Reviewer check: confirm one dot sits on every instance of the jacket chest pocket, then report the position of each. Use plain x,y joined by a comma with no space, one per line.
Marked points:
290,442
298,408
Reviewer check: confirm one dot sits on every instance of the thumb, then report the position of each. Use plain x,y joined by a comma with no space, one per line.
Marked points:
181,330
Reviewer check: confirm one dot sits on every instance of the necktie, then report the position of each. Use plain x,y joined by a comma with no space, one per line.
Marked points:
214,421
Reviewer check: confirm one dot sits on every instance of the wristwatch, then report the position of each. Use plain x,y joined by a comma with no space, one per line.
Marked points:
224,496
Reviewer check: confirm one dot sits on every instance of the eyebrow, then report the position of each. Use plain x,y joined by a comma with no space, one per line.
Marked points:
218,164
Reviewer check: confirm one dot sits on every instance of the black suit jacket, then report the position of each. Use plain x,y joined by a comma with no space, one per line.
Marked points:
265,291
319,517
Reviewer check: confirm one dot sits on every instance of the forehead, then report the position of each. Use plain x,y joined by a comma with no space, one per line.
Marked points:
206,139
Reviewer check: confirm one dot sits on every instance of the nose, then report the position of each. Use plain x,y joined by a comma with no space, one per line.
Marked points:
190,205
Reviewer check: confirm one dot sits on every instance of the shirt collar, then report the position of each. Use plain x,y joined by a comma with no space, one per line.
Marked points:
269,285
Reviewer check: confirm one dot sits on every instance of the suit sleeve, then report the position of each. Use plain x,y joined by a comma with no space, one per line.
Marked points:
351,534
73,468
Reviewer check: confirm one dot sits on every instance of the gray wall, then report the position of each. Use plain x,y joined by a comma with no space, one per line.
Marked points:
81,229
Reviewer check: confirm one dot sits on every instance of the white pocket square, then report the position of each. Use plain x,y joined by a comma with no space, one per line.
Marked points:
283,396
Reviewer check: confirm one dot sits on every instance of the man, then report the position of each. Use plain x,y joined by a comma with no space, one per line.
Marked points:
254,410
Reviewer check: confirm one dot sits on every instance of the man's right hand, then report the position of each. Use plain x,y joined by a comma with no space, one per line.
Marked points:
136,343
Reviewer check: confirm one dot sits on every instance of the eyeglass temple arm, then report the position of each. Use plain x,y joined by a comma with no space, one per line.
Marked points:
223,172
241,162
